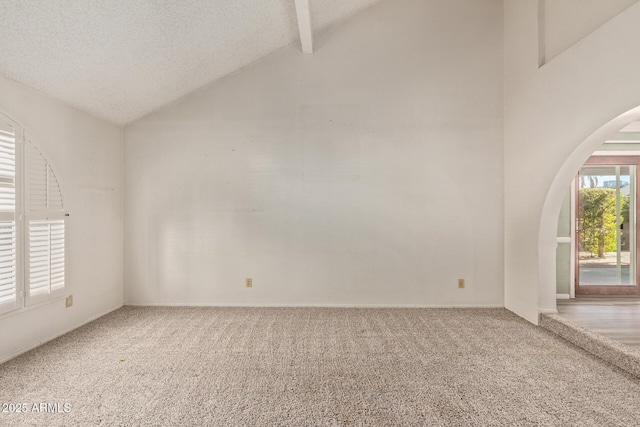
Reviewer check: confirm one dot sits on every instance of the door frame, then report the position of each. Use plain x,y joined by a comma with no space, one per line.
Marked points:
606,160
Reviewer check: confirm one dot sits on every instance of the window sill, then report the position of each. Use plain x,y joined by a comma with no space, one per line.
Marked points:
22,310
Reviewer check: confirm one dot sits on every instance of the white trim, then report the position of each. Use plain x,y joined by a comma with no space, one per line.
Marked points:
617,153
564,239
268,305
572,227
563,296
46,340
548,311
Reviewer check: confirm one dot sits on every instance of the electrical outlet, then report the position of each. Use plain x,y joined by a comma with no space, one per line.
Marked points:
69,301
460,283
249,282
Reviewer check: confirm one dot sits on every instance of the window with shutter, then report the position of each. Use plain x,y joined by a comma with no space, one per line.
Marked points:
45,227
32,222
9,293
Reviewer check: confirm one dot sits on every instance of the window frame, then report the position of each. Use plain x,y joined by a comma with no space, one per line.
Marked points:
19,302
23,216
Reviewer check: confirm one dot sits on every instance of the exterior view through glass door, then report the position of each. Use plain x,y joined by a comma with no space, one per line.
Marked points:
606,232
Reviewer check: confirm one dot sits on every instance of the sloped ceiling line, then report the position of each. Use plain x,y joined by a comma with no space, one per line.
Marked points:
122,59
304,26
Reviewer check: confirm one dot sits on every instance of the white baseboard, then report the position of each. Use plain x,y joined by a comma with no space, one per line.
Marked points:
563,296
38,344
153,304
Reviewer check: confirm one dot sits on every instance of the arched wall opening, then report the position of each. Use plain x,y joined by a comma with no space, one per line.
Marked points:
547,240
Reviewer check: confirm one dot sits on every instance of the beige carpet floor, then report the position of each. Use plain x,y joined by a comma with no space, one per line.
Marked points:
316,366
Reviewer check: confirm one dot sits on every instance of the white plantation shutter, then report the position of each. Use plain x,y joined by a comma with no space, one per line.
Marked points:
9,289
32,222
7,169
8,283
43,187
46,257
45,260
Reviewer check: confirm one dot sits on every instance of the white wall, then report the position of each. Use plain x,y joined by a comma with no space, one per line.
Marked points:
553,121
368,173
87,155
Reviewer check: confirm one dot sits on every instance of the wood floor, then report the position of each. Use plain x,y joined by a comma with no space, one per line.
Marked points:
617,318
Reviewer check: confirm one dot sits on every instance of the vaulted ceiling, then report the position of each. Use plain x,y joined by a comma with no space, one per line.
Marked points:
121,59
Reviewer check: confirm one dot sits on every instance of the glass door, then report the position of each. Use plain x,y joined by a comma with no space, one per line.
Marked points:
606,229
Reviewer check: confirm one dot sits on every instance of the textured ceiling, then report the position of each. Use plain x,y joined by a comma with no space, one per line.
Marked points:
121,59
